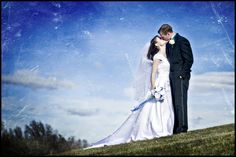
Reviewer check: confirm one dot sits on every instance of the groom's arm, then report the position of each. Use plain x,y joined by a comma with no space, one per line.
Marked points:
186,52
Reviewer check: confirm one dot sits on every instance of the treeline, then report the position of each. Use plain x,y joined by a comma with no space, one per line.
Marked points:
36,139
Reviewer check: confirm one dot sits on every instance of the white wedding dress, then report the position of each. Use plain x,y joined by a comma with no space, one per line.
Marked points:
152,119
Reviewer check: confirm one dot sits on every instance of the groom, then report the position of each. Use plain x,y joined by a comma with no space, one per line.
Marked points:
179,54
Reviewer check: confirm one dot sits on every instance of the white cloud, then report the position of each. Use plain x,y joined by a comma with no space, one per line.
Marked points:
197,120
32,79
129,92
213,79
98,65
83,112
93,118
87,34
89,118
211,99
122,18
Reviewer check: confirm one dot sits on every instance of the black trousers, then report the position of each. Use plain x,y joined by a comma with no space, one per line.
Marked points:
179,90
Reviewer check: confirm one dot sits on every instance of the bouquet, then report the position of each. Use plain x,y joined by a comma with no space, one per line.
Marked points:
158,93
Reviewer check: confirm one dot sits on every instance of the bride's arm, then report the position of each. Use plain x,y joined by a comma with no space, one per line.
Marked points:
154,72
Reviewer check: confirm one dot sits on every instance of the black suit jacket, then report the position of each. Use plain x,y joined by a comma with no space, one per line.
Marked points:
180,56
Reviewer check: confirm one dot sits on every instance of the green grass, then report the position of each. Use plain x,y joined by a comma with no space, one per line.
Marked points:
219,140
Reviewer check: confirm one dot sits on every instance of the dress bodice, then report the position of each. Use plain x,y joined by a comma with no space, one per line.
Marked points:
164,66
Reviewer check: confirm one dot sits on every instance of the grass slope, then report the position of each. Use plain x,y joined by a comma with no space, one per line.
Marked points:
219,140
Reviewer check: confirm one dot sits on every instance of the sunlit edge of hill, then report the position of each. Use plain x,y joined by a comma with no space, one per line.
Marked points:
217,140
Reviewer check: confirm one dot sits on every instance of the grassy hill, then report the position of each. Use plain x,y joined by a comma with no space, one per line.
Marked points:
219,140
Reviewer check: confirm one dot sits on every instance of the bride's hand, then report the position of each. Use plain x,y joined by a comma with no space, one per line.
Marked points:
157,93
153,90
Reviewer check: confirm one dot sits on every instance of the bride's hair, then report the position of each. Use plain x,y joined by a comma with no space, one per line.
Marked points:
153,49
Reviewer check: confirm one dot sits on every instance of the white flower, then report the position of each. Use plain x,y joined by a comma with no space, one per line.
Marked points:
172,41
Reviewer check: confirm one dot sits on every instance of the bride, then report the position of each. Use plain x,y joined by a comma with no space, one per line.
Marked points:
154,116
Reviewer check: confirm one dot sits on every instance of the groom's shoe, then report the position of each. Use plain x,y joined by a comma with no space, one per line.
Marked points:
180,130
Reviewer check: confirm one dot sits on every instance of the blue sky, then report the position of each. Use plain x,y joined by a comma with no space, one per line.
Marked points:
71,64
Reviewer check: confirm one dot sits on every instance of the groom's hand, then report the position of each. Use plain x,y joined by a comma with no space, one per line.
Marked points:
182,76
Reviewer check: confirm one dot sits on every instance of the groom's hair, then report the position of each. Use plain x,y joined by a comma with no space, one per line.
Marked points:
165,28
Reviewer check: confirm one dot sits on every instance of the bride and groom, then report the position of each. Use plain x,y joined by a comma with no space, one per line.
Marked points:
161,89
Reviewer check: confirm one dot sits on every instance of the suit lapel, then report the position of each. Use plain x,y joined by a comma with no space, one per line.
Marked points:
171,48
176,39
